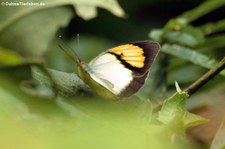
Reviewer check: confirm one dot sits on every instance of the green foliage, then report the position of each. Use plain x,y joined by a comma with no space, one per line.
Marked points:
174,114
191,55
47,108
80,123
191,43
33,39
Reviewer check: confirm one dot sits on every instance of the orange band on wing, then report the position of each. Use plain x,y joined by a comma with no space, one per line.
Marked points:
131,54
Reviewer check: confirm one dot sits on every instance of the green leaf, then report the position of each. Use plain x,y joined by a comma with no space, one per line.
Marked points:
9,58
187,35
182,21
191,55
201,10
66,83
31,39
70,122
85,8
191,120
213,43
176,116
173,109
155,34
210,28
88,9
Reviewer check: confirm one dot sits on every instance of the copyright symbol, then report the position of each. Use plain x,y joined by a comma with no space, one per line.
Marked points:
3,3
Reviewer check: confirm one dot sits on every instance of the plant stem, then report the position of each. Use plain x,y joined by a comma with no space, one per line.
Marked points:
205,78
202,10
213,27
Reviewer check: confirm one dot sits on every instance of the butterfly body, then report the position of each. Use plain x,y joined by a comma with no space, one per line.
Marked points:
120,71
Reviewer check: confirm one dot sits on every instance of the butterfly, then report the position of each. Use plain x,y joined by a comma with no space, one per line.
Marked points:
120,71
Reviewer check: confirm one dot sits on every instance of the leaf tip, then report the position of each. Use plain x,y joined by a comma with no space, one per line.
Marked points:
178,87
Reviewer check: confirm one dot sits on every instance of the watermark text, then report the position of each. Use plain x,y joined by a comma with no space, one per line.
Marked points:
21,4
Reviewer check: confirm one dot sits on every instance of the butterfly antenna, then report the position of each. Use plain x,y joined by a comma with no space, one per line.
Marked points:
78,42
68,51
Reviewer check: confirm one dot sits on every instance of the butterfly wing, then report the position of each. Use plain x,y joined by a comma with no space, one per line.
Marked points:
140,64
124,69
137,56
108,71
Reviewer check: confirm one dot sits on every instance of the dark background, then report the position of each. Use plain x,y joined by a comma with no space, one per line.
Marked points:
142,16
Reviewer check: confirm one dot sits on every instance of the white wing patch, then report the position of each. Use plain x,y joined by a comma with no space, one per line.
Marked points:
108,71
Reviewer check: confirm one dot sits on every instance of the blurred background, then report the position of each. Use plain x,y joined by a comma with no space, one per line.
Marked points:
29,37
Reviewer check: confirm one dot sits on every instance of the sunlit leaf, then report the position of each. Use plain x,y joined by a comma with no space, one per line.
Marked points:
191,120
97,122
173,109
175,115
79,119
88,9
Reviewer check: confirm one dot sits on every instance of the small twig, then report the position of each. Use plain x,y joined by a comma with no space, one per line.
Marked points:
205,78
